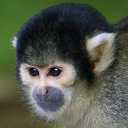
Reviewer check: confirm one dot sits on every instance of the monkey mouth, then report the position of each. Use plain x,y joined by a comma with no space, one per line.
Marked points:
50,106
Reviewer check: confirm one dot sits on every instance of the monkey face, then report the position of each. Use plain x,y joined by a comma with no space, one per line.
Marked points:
47,87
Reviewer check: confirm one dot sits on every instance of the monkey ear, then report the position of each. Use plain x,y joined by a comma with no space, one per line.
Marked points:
101,51
14,41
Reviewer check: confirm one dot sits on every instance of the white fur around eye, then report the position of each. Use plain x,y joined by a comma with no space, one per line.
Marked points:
26,78
66,77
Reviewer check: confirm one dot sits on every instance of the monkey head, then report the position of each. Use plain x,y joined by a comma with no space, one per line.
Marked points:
58,53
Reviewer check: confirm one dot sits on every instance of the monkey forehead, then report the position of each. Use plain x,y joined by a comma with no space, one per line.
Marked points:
46,54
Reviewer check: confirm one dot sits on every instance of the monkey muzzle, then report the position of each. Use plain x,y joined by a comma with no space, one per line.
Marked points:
48,98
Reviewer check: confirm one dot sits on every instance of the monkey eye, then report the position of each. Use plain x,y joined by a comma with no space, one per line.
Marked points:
54,72
33,72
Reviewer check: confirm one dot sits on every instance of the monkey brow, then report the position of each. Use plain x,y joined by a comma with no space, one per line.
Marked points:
41,64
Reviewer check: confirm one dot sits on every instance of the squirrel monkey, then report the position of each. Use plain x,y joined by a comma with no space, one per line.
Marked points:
72,67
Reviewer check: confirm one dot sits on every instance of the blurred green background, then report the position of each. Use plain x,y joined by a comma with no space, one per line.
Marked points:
13,14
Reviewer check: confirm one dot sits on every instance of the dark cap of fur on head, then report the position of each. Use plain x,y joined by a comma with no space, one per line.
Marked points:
59,32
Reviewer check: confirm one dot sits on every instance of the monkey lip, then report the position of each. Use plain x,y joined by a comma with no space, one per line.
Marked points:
50,106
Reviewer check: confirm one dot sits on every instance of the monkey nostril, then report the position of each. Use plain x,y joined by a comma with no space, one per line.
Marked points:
47,91
41,94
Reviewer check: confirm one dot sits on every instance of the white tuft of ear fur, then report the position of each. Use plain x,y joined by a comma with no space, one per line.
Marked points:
101,50
14,41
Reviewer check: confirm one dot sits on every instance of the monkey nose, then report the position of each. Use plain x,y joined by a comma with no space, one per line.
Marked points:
40,94
47,91
48,98
43,91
